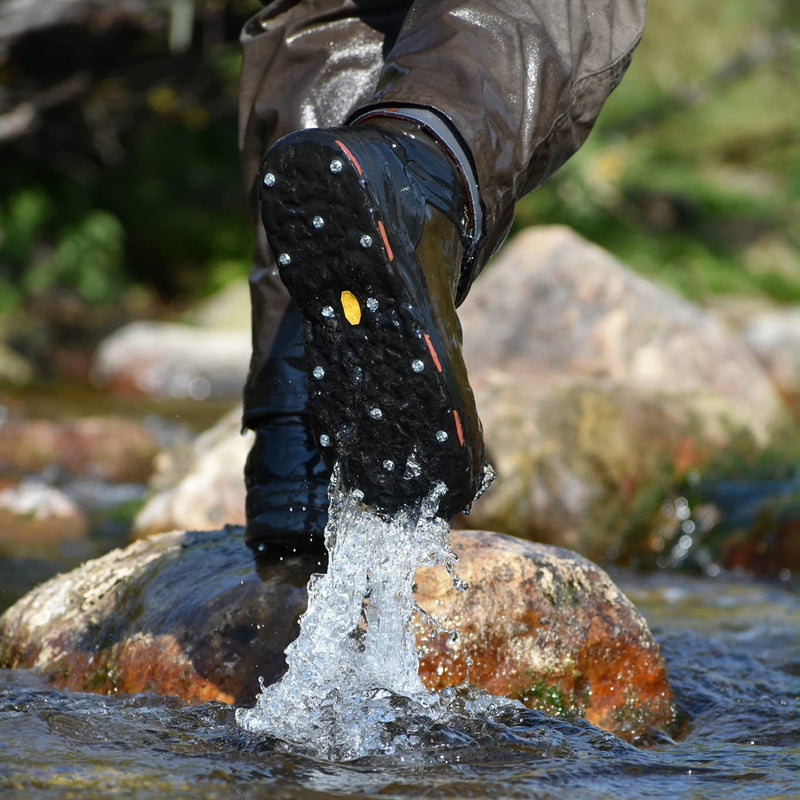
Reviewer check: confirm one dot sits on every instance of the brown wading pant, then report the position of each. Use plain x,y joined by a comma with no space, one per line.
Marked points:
520,82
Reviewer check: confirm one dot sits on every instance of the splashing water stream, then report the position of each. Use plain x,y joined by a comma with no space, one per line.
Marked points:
352,687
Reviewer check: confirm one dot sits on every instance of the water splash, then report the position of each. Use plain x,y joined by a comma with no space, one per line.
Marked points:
352,687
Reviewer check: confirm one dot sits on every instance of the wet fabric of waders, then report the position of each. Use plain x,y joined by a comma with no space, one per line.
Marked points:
519,83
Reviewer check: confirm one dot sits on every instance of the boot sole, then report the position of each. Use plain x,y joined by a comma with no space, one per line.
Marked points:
384,386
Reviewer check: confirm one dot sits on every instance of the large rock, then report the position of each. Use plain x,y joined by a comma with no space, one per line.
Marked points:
774,337
189,615
202,488
173,360
546,627
601,392
553,305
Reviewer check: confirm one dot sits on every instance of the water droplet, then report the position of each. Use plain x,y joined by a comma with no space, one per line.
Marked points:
284,259
441,436
372,304
318,222
324,440
327,311
388,465
376,413
682,510
487,479
269,179
357,374
336,166
417,365
365,241
413,468
318,372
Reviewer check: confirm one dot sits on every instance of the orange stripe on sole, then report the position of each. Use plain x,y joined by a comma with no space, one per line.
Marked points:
459,429
350,157
386,244
433,353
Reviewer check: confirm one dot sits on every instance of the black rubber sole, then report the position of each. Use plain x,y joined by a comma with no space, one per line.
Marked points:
387,386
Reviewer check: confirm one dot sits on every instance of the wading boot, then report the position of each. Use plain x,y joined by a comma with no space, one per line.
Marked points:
368,225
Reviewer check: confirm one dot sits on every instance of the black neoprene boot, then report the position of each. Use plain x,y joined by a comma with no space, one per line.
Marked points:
287,489
287,482
369,225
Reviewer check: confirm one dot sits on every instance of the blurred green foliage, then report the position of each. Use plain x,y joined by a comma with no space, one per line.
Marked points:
689,177
87,256
134,182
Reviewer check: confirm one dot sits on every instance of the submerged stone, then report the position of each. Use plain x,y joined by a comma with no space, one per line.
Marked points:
192,615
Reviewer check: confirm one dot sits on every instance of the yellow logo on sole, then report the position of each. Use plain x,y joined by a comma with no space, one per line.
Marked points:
351,308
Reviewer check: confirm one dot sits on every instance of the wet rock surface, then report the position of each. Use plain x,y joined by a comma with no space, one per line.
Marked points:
544,626
761,532
189,614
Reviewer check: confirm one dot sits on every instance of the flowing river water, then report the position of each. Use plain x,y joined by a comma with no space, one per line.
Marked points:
731,645
351,718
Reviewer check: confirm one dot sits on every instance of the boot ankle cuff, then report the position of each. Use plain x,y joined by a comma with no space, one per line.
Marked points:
442,132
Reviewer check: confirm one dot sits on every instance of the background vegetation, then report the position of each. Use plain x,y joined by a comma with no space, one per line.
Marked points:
120,179
691,173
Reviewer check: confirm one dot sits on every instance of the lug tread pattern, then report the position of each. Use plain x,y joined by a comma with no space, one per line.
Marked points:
353,369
